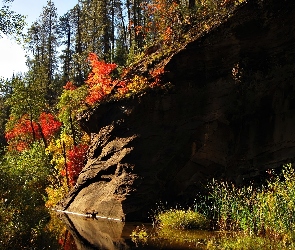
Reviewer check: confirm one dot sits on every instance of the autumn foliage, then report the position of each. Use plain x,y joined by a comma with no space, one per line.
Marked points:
69,86
164,18
101,85
49,124
99,80
75,162
26,131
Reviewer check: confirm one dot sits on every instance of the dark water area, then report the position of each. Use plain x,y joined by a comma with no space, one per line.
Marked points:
94,233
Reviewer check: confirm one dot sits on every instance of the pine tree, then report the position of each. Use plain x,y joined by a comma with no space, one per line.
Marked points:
43,41
66,33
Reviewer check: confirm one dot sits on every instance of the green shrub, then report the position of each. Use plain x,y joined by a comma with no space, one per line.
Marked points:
23,215
182,219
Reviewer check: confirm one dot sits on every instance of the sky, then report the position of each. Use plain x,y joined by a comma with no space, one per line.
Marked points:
12,55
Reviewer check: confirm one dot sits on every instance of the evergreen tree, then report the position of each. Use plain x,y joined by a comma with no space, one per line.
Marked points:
11,23
119,33
66,32
72,37
42,40
95,27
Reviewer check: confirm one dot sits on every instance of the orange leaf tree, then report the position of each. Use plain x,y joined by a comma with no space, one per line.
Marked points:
99,80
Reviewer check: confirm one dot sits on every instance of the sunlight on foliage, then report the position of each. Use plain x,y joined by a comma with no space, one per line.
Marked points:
101,87
181,219
68,160
25,130
99,79
173,24
266,212
139,235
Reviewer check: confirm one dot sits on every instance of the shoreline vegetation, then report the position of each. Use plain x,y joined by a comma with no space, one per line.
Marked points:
242,218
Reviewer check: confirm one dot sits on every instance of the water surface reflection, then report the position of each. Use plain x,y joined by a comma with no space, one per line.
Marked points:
93,234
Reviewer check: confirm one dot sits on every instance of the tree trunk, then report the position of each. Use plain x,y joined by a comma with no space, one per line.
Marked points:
191,4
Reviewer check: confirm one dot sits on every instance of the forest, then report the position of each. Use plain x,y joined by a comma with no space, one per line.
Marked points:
76,62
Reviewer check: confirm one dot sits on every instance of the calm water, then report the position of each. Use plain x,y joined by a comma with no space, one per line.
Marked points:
89,234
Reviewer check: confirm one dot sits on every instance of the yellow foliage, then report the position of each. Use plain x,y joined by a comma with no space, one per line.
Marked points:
55,194
137,84
58,148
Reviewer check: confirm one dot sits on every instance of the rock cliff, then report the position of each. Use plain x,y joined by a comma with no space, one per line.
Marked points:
230,114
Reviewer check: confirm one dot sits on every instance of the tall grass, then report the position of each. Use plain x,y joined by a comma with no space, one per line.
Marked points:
267,211
251,218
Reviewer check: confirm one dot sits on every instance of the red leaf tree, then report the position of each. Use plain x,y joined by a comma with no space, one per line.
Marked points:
75,159
25,131
99,80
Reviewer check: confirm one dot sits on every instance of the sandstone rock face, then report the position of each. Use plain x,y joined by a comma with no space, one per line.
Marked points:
229,115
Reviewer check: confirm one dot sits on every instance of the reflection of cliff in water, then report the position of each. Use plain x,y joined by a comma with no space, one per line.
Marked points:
104,234
90,234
